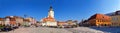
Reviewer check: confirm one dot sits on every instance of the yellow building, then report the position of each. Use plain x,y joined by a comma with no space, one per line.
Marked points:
99,20
115,20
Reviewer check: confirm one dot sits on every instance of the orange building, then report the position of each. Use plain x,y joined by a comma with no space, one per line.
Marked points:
99,20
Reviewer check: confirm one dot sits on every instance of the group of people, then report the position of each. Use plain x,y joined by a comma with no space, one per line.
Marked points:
8,27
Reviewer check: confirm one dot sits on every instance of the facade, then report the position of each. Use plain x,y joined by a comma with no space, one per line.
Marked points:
49,24
70,22
31,20
26,22
13,20
10,20
115,20
99,20
49,21
67,24
62,23
16,21
2,21
19,20
7,21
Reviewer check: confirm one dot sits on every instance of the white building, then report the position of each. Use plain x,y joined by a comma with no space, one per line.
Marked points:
7,21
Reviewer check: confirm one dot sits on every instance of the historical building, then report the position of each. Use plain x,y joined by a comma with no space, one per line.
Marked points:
7,21
19,20
26,22
67,24
2,21
13,20
99,20
116,19
10,20
31,20
70,22
62,24
50,20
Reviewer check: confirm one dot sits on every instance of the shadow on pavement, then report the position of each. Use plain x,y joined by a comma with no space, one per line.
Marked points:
108,29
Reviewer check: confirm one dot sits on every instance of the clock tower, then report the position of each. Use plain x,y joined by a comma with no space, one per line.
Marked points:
51,12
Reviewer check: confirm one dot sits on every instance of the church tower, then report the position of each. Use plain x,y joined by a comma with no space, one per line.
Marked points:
51,12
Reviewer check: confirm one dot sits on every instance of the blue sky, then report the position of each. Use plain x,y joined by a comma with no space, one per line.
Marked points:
64,9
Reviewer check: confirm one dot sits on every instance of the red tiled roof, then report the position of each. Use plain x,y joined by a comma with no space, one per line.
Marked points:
99,16
48,19
1,19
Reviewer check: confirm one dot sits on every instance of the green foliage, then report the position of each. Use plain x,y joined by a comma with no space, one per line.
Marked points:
1,26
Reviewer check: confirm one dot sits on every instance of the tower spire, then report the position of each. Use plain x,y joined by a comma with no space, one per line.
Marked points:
52,1
51,9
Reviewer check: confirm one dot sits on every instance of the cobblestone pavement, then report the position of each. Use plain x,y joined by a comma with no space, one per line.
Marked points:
38,30
83,30
54,30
